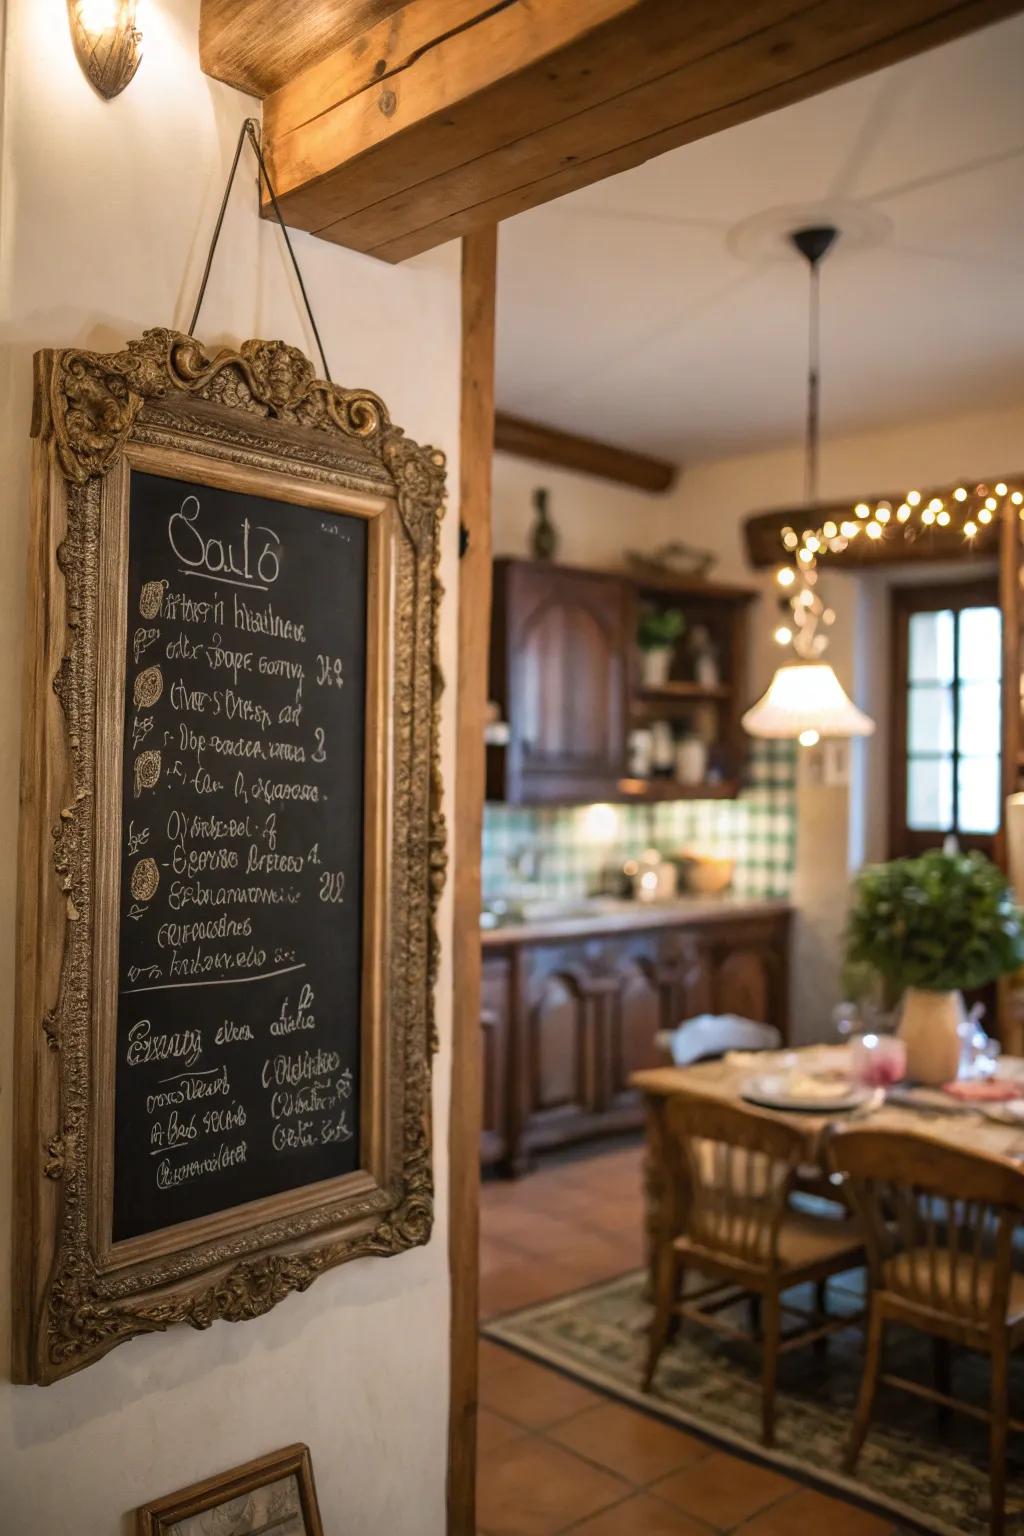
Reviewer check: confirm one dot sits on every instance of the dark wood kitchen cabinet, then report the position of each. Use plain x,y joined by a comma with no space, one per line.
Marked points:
559,673
566,676
578,1016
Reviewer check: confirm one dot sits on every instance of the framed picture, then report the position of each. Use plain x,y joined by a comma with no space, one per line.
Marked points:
271,1496
231,844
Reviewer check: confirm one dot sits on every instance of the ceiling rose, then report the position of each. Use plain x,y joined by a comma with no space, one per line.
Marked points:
768,236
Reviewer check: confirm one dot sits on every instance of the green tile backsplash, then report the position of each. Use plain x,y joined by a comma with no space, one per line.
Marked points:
572,845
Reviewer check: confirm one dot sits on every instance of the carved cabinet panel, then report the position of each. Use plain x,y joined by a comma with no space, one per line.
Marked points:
749,973
559,663
559,1050
641,1006
743,985
495,1001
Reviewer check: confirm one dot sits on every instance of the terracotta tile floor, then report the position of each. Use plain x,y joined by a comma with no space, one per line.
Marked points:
556,1457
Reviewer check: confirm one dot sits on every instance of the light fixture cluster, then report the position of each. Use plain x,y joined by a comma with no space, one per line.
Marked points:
964,508
808,616
805,700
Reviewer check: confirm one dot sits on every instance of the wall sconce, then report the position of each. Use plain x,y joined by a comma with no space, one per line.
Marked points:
106,41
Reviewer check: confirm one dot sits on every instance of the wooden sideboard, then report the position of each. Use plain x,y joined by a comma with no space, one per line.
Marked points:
569,1012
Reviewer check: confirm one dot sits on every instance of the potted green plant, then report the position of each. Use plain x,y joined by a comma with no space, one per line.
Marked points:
657,633
933,927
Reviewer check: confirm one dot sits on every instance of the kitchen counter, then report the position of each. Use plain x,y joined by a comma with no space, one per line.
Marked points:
606,915
575,996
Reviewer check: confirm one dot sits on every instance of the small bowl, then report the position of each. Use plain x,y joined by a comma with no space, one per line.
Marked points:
709,877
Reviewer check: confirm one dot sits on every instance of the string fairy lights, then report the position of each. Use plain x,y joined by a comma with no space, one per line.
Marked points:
962,508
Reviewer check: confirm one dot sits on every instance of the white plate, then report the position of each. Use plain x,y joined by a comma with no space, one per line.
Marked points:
1008,1112
774,1090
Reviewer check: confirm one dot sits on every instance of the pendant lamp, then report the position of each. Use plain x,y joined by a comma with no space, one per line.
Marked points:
805,700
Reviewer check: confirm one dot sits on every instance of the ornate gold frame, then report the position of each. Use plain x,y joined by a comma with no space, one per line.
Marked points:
258,420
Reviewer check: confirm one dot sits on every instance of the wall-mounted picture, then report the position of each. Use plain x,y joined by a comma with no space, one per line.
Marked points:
271,1496
273,515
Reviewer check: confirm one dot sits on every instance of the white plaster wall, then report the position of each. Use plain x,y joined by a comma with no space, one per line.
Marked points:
838,826
106,212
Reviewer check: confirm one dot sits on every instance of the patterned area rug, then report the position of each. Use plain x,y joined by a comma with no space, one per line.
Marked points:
929,1473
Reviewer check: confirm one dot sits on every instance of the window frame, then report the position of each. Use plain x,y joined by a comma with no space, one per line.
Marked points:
904,603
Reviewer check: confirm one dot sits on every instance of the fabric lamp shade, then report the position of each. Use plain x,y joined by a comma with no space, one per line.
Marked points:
806,698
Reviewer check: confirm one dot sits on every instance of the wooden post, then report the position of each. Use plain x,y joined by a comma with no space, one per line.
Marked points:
479,257
1010,990
1010,607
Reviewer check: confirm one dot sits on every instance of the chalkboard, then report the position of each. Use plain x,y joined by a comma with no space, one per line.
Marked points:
239,958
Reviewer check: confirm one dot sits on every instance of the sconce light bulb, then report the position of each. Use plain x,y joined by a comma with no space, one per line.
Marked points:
914,498
1000,489
943,518
99,15
970,529
1017,497
927,516
874,530
809,738
902,512
960,494
883,514
862,509
786,576
783,635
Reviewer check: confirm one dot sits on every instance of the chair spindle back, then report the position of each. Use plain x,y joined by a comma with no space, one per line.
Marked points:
939,1221
738,1167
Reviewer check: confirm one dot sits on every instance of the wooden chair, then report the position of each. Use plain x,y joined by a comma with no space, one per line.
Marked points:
939,1224
713,1034
736,1168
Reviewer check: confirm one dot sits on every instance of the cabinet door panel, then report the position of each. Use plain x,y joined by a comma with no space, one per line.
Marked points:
637,1019
494,1002
558,1048
568,650
743,985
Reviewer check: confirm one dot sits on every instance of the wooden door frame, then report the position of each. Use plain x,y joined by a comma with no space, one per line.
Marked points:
476,445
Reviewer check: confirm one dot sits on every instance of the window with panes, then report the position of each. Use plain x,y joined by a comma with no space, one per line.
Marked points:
946,716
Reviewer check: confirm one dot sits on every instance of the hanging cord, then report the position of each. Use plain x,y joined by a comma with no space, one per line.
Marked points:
250,131
813,391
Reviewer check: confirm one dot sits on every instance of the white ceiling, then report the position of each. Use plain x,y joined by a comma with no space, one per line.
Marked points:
638,311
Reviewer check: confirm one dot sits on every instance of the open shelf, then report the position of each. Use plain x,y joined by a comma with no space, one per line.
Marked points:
680,693
671,789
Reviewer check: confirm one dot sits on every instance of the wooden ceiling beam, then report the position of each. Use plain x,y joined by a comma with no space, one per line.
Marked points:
531,440
439,117
259,45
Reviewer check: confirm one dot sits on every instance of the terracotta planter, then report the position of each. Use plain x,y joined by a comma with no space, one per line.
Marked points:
930,1029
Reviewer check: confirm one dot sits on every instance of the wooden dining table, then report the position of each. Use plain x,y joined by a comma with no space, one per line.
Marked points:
926,1112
